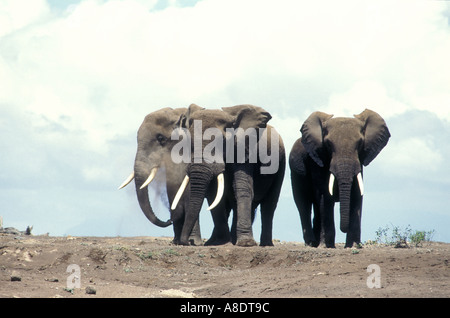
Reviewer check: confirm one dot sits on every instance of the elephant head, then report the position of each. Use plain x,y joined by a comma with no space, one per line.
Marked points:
210,141
154,145
343,145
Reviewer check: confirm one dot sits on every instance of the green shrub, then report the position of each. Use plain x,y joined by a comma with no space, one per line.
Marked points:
399,237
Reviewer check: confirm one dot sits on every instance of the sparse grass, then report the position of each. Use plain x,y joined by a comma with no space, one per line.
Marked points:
170,252
145,256
69,290
398,237
155,255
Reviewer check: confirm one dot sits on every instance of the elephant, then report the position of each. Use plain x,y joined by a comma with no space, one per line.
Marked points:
154,146
252,187
241,180
326,166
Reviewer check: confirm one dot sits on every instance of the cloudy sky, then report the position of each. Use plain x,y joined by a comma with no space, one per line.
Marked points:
77,78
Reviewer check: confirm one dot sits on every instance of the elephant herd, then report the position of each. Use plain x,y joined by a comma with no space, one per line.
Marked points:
235,160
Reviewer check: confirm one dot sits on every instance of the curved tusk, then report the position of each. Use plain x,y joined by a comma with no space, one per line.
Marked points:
150,178
180,192
220,190
127,181
360,183
331,184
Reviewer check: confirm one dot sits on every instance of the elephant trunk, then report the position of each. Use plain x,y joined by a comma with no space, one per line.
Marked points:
344,197
345,171
141,178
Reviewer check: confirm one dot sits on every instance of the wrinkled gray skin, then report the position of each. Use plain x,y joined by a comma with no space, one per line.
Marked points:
245,187
340,146
154,147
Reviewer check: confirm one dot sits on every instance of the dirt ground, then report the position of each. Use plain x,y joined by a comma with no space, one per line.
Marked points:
110,267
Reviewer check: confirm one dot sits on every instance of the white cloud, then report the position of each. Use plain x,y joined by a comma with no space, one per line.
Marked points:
365,94
100,59
416,157
15,15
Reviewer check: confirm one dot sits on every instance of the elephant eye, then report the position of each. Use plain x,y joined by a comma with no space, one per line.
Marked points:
161,139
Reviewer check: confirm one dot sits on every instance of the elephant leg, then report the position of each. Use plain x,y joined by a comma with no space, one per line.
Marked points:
177,227
269,205
303,198
243,190
195,237
221,232
328,231
267,212
317,226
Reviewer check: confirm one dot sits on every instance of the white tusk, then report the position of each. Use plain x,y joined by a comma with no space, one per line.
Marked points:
180,192
220,190
150,178
331,184
360,183
126,182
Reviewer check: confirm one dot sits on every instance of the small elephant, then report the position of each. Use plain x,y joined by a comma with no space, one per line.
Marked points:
326,167
154,146
242,186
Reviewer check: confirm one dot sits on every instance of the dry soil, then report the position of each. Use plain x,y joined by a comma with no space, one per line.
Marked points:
110,267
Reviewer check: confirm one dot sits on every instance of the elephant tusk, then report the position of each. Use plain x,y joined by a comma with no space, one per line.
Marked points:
331,184
220,190
127,181
150,178
180,192
360,183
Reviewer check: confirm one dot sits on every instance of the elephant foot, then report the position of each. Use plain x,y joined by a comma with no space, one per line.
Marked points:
179,242
327,244
312,243
246,242
217,241
266,243
196,240
353,245
185,242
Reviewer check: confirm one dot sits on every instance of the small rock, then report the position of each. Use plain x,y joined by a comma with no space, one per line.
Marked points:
15,278
90,290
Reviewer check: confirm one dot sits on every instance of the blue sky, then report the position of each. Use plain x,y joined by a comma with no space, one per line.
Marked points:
78,78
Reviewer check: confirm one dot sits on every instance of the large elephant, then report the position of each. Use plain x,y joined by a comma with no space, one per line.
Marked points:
154,146
247,183
326,167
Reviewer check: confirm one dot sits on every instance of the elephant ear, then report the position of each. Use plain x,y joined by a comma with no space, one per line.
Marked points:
376,135
312,135
248,116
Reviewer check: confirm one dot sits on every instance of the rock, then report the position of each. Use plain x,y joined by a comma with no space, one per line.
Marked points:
91,290
14,231
15,278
